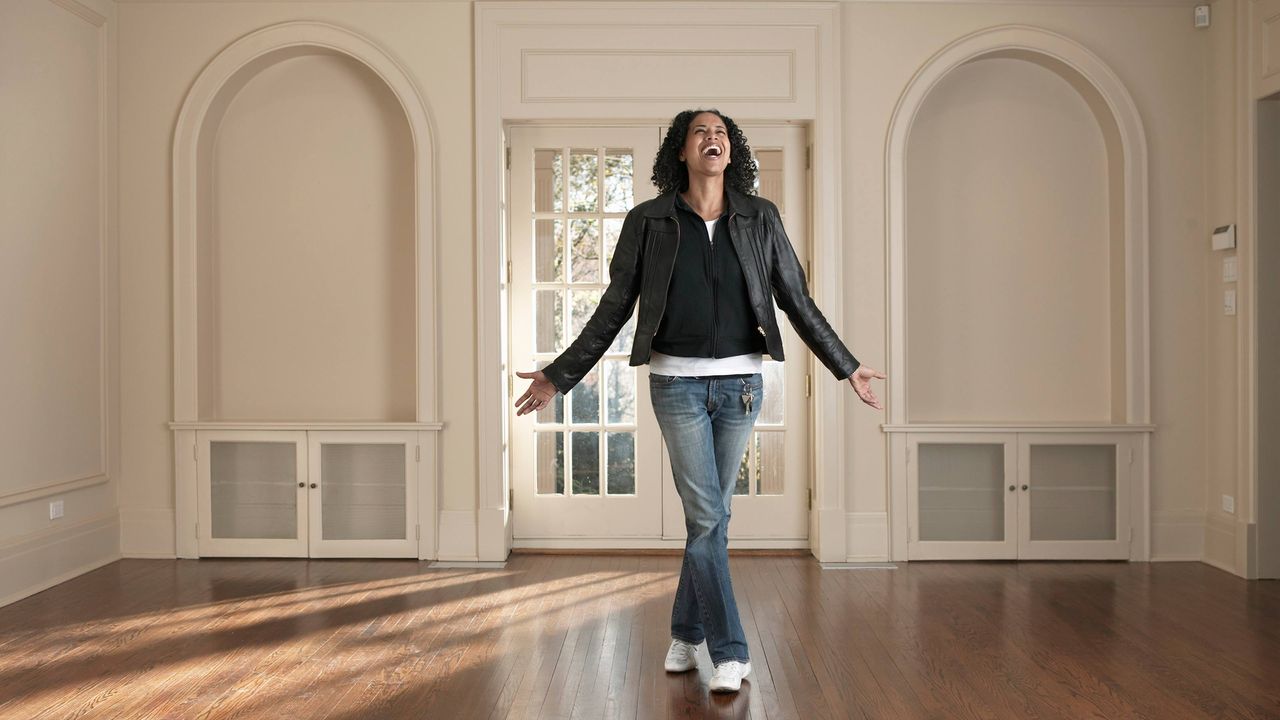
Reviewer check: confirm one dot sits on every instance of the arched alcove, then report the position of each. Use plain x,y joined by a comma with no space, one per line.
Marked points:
1014,242
1018,391
304,301
305,251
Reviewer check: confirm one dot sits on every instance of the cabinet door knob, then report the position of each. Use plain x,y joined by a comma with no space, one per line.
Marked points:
1024,487
302,485
313,486
1012,488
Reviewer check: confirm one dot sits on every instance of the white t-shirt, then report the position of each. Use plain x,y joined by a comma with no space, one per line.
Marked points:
687,366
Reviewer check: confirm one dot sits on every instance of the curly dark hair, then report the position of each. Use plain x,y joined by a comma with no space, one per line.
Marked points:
670,174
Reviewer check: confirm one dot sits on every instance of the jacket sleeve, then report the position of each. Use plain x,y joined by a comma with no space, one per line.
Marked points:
616,306
792,294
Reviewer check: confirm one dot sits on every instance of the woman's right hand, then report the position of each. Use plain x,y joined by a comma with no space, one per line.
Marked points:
540,392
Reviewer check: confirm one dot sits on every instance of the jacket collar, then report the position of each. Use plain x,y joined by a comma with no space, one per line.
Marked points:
665,205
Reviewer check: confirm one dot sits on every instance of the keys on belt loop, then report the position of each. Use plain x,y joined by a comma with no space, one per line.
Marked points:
748,397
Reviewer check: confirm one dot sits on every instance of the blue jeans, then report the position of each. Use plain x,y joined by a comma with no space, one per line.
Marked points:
706,423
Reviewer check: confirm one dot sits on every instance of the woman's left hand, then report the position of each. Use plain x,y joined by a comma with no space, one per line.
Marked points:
861,382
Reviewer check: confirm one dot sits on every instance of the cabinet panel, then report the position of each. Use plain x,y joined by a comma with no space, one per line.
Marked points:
961,491
363,493
251,499
1075,505
365,502
1072,492
960,503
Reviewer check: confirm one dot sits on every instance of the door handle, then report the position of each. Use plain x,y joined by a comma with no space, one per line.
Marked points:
302,485
1024,487
313,486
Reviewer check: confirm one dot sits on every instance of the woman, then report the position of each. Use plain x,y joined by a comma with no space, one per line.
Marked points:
704,261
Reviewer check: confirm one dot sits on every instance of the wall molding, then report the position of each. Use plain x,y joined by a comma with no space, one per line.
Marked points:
55,488
39,560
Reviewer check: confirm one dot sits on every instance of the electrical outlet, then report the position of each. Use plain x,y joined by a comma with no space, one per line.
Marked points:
1228,504
55,509
1229,302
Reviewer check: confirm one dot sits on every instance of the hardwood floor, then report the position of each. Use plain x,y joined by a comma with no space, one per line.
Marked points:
563,636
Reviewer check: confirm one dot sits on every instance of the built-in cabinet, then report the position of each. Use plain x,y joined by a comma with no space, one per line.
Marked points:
1014,495
302,493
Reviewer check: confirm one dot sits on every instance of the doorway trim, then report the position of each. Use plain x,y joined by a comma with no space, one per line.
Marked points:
521,50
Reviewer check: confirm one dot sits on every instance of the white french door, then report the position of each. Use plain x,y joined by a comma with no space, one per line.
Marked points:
591,468
586,466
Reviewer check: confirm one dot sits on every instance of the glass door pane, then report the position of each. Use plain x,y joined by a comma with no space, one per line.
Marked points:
253,491
362,496
1073,492
364,503
962,494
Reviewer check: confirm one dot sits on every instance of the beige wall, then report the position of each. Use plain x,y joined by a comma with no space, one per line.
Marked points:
163,48
1166,65
57,293
1161,60
1221,336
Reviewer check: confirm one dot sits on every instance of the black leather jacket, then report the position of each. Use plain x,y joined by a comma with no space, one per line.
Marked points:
641,271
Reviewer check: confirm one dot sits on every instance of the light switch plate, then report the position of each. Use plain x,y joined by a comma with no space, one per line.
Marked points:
55,509
1229,269
1229,302
1228,504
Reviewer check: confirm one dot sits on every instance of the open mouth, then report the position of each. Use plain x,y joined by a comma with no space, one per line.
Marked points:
712,151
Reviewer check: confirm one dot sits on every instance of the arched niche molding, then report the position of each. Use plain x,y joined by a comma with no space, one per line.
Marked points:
197,125
1125,142
212,92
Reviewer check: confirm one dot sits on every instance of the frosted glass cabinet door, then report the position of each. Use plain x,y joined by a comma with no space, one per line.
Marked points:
252,493
961,505
364,503
1074,496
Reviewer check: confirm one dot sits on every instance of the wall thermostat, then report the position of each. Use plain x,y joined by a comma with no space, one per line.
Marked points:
1202,16
1224,238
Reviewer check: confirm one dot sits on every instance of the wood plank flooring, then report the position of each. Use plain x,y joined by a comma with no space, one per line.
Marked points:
568,636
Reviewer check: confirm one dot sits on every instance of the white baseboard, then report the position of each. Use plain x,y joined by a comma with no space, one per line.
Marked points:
608,543
1220,541
147,532
867,537
40,560
492,534
1177,535
457,539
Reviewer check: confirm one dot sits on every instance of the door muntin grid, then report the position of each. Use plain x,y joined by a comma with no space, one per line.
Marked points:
763,467
585,442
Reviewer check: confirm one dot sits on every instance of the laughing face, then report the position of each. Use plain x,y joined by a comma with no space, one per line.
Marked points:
706,145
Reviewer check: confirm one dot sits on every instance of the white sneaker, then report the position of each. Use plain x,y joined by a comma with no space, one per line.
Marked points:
681,656
728,676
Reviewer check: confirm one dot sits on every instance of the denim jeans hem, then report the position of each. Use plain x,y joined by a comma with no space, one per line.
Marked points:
718,663
691,642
